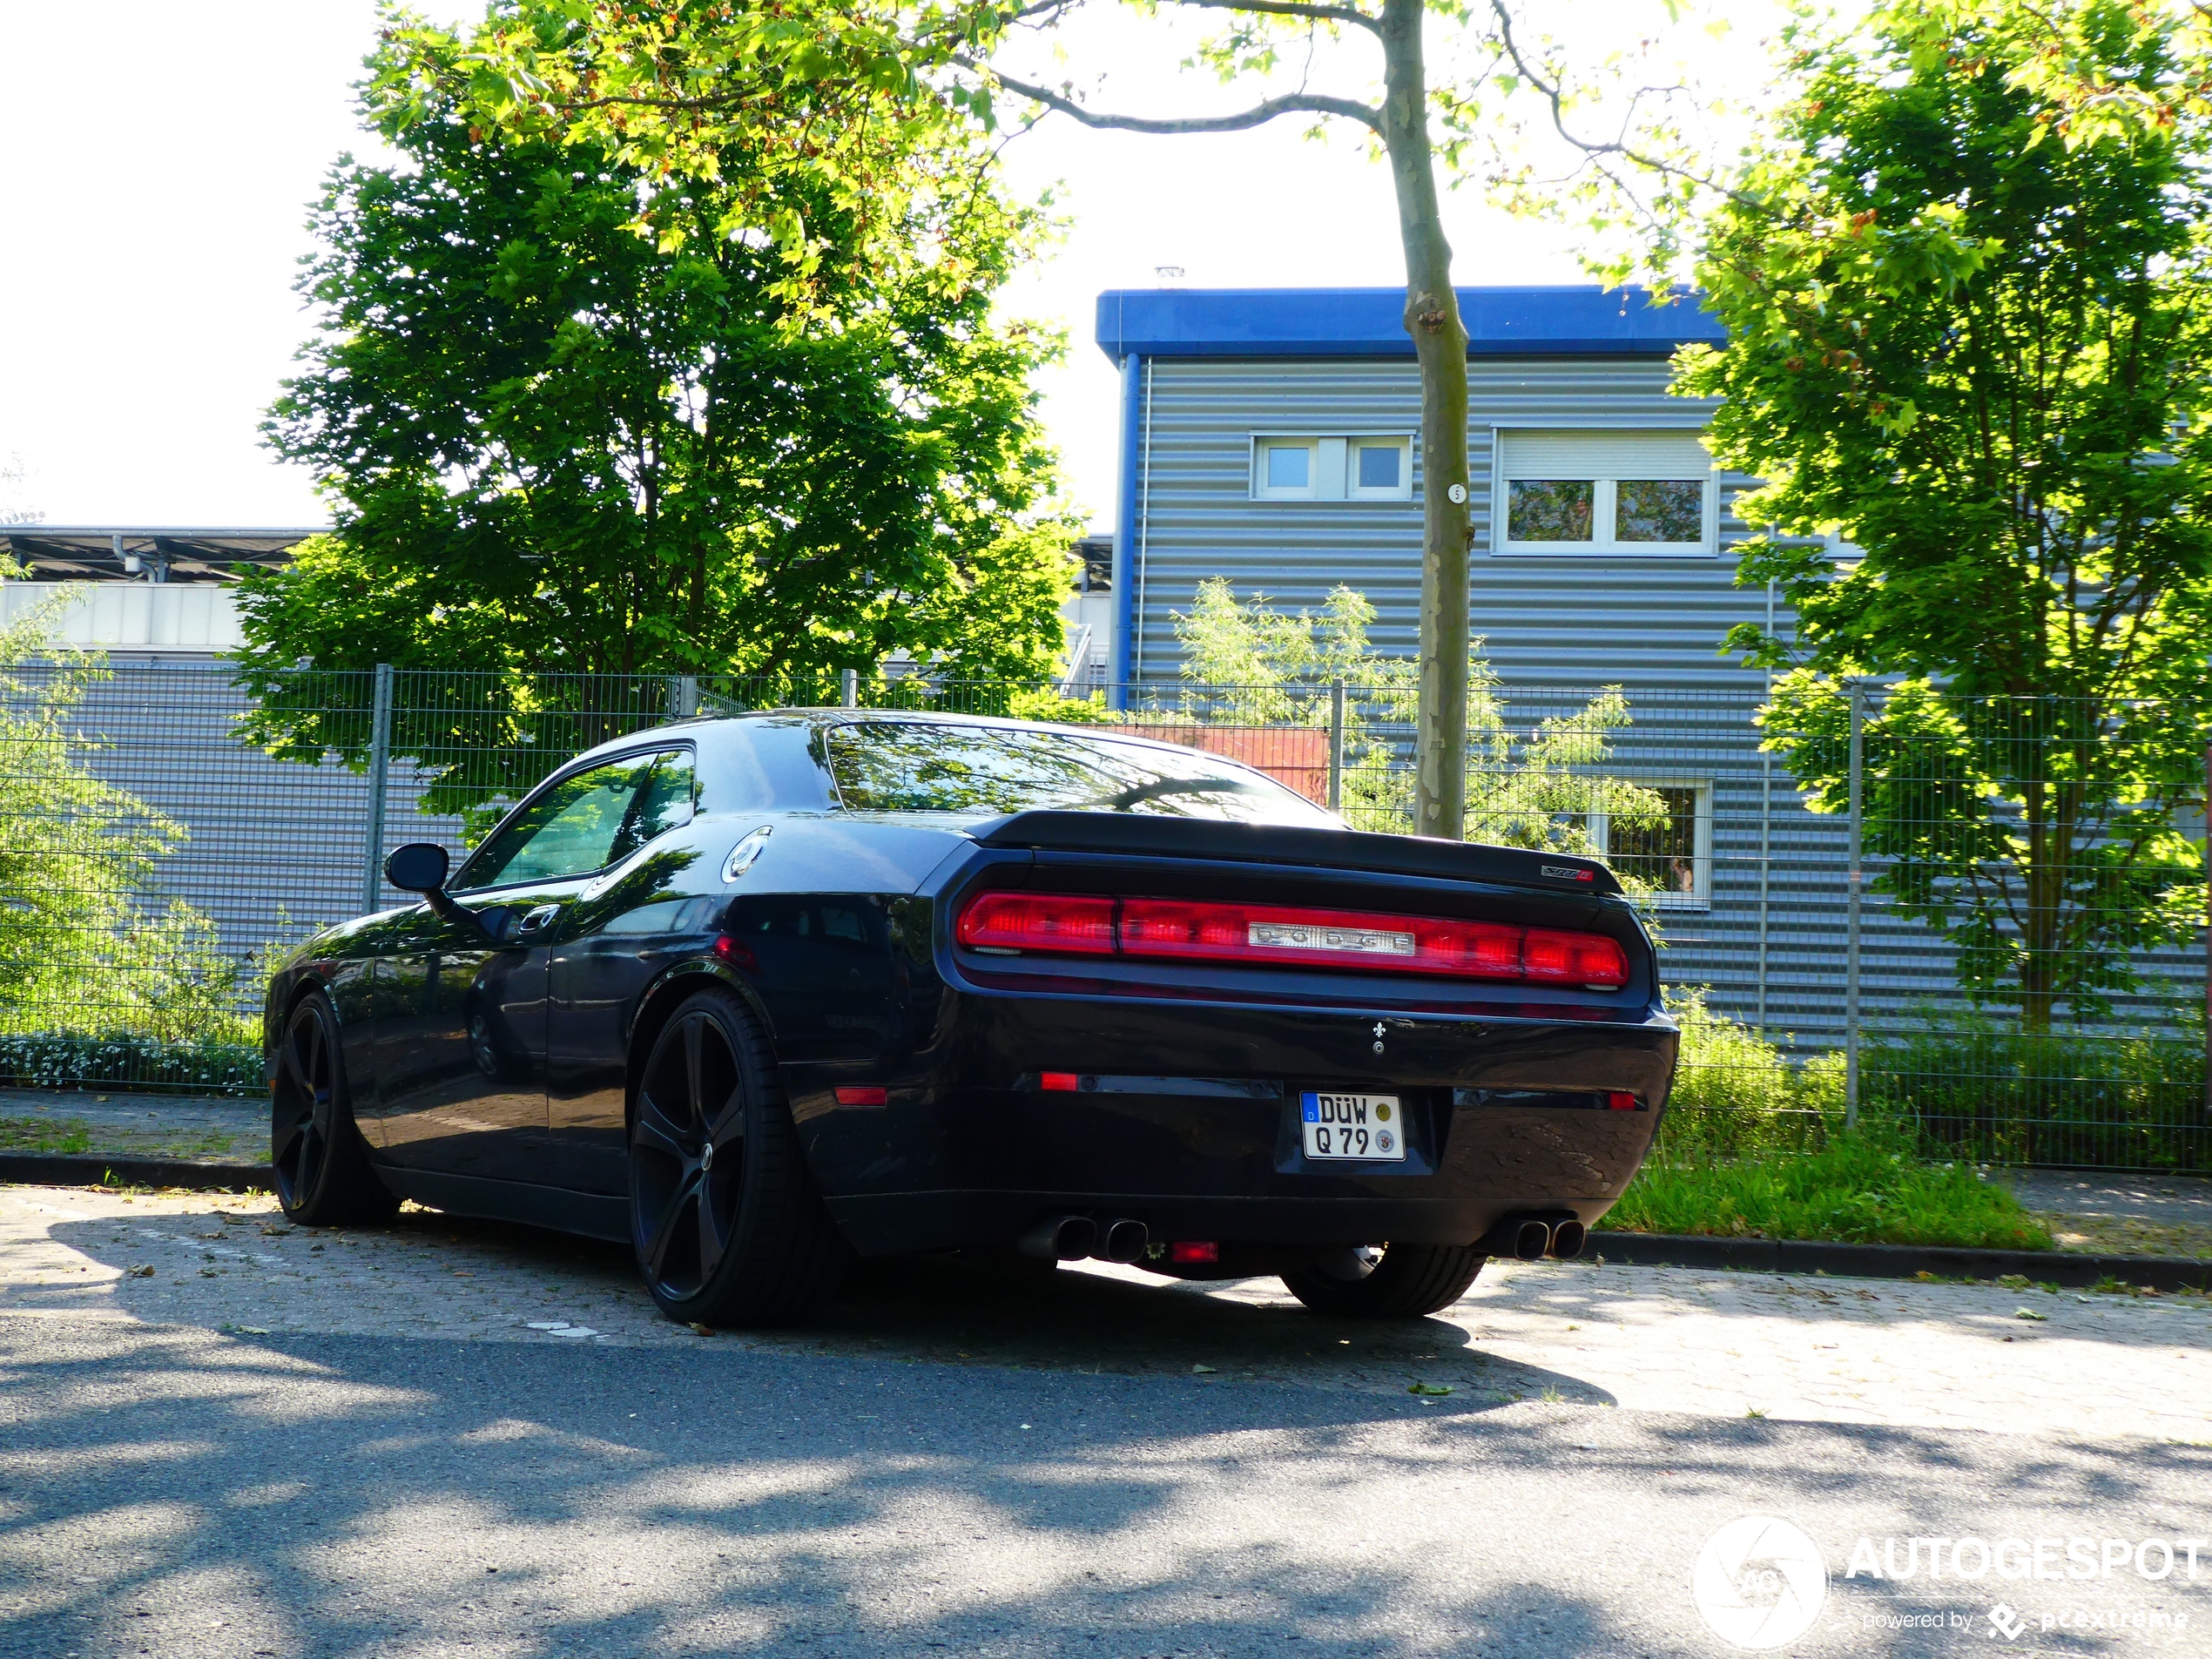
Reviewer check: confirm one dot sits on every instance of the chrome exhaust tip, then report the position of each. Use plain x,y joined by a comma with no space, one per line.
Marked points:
1567,1239
1531,1239
1125,1241
1066,1238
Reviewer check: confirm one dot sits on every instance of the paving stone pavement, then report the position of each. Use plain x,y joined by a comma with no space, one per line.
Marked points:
1782,1347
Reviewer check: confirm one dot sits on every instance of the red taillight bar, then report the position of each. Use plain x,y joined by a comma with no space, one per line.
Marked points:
1178,929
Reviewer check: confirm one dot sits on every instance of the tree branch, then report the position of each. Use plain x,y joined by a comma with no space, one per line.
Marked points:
1289,9
1555,94
1258,115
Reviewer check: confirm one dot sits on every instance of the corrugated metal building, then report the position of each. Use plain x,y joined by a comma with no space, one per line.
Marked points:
1271,436
1223,390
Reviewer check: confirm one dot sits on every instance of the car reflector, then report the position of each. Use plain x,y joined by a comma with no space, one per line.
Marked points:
1061,1083
863,1095
1620,1100
1189,1251
1083,924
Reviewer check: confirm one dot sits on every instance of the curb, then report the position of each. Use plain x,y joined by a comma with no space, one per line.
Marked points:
1897,1261
89,1169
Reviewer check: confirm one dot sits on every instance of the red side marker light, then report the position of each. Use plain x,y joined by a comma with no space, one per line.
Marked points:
1192,1251
735,953
1620,1100
862,1096
1060,1082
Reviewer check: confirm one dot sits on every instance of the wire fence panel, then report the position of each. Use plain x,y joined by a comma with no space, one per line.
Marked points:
2025,959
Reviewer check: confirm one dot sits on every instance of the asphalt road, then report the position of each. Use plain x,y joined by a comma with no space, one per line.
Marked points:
1067,1483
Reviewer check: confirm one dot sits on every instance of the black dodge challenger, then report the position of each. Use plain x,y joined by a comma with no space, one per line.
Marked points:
759,994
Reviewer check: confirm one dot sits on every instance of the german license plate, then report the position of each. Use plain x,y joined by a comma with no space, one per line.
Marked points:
1354,1126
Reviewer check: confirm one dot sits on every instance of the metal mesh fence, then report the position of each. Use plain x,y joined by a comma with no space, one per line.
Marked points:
2020,978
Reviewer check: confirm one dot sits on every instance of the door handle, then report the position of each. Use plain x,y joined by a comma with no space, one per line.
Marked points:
534,919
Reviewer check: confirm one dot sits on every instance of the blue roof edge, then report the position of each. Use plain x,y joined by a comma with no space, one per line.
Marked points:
1562,320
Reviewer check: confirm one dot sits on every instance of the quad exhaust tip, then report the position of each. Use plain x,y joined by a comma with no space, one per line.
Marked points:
1531,1238
1066,1238
1072,1238
1125,1241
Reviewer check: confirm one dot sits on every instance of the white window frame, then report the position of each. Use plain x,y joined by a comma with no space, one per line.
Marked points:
1332,466
1262,443
1602,542
1403,490
1701,843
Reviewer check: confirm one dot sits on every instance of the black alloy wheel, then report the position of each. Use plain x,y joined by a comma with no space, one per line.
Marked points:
323,1177
724,1216
1388,1281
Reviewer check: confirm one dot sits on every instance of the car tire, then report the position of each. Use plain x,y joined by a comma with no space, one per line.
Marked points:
724,1220
1389,1282
323,1175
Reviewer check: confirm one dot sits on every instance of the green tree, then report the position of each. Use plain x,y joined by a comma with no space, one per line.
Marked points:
1970,329
87,943
1427,81
560,440
1260,666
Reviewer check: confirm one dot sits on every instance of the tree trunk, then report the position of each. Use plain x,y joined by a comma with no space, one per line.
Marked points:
1440,344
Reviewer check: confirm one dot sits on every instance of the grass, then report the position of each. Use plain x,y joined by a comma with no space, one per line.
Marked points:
1857,1189
73,1135
1753,1147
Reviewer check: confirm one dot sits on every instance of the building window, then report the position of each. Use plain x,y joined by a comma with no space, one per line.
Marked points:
1607,492
1357,467
1669,856
1289,469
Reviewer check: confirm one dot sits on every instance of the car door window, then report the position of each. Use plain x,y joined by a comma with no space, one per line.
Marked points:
575,827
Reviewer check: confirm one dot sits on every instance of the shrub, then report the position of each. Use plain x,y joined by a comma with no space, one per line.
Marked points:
1980,1091
225,1062
1737,1093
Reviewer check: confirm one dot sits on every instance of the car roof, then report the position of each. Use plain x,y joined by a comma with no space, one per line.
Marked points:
822,719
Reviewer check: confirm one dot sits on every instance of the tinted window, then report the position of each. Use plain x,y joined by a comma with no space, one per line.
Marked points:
663,805
586,822
915,768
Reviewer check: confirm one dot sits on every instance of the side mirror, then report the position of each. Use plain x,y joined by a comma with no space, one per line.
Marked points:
420,866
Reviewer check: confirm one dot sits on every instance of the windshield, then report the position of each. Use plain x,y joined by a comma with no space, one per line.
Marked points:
907,767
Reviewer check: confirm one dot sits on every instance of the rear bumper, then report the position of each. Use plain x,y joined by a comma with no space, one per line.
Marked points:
1186,1120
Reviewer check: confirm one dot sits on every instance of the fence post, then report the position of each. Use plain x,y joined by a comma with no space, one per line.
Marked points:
1855,884
684,695
380,769
2207,931
848,689
1336,747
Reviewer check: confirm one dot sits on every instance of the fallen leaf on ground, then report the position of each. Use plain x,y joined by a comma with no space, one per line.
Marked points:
1202,1371
1434,1390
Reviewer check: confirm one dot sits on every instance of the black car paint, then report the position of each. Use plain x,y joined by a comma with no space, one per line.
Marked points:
491,1071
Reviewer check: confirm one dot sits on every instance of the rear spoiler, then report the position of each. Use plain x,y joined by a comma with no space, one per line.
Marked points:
1201,837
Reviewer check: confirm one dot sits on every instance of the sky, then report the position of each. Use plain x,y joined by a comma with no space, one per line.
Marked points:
155,217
